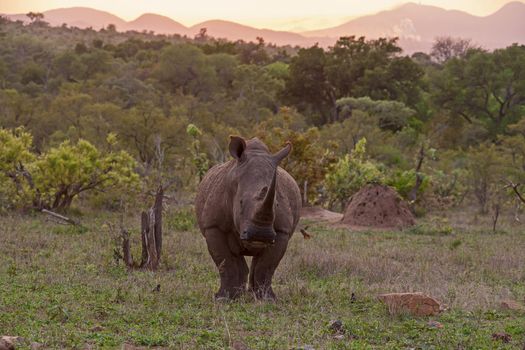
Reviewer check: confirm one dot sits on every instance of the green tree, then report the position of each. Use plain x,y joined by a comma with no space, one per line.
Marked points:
307,86
255,92
199,159
486,171
389,115
185,67
64,172
15,155
349,174
484,86
309,160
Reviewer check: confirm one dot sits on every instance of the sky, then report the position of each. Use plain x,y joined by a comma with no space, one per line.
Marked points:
275,14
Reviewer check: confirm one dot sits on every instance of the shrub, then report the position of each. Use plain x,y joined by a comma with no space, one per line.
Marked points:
349,174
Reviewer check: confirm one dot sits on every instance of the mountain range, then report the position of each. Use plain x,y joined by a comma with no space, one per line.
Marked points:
416,25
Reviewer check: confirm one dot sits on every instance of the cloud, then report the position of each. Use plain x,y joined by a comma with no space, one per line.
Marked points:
406,29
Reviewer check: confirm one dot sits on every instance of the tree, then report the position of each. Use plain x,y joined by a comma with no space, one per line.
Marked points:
255,92
447,47
141,125
486,166
309,160
359,67
349,174
489,87
202,35
185,67
389,115
35,16
307,87
352,67
68,170
15,155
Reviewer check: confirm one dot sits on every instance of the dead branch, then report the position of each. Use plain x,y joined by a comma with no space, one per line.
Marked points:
63,218
515,188
495,217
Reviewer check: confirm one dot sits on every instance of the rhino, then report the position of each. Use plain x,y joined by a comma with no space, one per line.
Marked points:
248,206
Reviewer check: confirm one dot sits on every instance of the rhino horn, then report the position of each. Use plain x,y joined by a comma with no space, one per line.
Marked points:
265,212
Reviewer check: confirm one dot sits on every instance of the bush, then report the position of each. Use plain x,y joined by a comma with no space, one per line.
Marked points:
56,177
181,220
15,153
349,174
404,182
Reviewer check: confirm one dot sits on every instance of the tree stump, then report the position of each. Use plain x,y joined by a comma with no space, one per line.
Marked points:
151,232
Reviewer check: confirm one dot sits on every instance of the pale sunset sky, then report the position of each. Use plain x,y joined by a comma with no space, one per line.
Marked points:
274,14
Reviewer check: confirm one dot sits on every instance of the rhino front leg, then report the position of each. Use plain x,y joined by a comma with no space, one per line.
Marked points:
233,269
264,265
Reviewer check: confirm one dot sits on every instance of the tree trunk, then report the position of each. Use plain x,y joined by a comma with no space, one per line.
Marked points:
151,229
412,195
305,193
157,208
148,236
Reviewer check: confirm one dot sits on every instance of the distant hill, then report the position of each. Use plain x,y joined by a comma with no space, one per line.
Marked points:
416,25
81,17
159,24
235,31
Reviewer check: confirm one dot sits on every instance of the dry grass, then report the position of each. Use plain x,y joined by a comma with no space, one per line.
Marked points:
62,287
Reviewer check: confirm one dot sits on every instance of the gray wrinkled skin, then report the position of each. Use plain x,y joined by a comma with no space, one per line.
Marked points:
248,206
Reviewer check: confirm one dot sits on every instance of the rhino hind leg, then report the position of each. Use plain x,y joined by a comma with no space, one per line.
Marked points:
233,269
263,268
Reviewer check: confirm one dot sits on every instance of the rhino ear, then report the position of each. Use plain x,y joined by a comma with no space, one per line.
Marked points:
237,146
279,156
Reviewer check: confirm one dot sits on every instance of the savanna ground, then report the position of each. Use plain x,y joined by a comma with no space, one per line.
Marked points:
61,286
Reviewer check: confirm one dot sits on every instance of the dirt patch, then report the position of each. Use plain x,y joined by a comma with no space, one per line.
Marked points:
320,214
378,206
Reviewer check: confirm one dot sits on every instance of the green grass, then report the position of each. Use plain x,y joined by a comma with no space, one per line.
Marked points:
62,287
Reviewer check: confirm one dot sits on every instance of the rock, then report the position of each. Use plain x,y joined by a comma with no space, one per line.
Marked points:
435,324
353,298
5,345
97,328
416,304
8,342
504,337
336,327
339,336
511,305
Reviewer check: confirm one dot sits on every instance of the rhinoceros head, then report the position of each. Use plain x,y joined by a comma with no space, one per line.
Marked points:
255,181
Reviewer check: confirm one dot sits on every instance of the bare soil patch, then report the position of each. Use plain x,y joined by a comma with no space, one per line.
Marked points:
320,214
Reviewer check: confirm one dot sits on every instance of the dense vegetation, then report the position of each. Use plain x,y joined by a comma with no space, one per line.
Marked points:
440,128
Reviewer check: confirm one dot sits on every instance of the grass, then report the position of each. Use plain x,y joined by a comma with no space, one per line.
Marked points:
62,287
